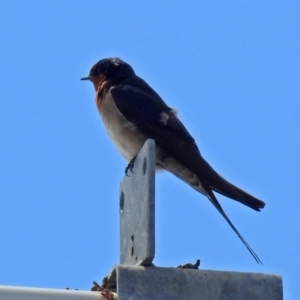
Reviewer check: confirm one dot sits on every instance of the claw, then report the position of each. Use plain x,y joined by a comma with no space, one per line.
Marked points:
130,166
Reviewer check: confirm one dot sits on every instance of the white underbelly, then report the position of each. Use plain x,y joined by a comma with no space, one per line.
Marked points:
124,134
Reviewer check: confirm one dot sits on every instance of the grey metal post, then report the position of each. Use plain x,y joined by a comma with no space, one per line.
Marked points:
137,210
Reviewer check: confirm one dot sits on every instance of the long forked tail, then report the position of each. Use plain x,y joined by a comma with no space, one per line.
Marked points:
210,195
220,185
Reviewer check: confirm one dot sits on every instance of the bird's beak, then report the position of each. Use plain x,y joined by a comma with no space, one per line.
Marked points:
86,78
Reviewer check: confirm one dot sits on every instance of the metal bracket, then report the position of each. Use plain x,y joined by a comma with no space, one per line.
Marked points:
137,210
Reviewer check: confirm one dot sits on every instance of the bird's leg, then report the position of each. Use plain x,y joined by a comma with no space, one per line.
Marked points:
130,166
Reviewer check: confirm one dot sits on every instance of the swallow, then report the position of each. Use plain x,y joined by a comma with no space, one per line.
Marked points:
133,112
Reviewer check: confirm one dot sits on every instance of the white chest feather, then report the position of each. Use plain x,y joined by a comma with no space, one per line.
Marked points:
125,135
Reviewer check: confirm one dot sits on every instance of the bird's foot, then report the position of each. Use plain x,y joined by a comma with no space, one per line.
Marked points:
130,166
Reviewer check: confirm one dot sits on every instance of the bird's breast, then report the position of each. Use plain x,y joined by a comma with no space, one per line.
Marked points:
125,135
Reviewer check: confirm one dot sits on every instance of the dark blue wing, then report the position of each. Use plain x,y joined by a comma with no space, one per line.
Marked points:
158,121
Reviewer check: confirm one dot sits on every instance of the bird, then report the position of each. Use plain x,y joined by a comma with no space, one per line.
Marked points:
133,112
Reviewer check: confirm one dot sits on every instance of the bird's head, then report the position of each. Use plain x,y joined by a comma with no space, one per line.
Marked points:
109,69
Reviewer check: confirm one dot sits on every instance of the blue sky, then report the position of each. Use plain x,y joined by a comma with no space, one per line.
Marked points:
231,69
